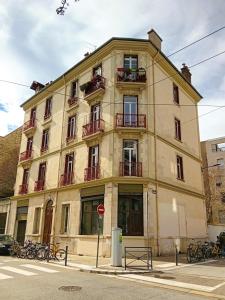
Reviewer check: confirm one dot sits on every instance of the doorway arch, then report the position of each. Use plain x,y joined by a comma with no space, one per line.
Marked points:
48,222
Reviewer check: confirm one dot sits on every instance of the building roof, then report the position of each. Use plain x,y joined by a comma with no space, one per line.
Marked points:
101,47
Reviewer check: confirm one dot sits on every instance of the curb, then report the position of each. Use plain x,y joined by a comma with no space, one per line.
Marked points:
111,272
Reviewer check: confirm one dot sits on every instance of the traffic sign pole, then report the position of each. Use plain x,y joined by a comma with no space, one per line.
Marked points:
100,211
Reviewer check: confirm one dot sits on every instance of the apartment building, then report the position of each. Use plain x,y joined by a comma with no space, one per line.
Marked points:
112,130
9,153
213,157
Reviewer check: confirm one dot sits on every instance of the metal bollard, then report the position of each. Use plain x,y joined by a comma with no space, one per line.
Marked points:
176,255
66,257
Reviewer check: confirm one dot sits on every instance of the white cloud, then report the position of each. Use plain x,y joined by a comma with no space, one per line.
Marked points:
37,44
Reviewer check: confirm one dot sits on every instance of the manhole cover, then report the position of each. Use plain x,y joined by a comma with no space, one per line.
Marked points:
71,288
164,277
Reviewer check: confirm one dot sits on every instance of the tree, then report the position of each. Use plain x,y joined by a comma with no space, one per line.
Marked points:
61,10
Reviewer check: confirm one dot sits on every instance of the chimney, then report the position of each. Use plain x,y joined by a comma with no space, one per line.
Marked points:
186,72
36,86
155,38
86,54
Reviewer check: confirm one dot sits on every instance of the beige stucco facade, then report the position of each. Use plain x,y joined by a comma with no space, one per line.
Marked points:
173,210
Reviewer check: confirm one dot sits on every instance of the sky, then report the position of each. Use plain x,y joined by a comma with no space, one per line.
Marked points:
37,44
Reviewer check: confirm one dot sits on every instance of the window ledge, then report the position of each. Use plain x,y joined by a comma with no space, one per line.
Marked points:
180,179
180,141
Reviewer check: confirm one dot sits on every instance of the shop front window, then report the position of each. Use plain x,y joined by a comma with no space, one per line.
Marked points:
90,218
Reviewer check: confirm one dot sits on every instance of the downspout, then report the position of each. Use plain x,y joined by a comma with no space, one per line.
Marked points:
155,155
60,160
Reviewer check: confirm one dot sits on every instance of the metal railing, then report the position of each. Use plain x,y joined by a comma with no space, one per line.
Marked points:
39,185
26,155
97,82
131,75
131,120
139,258
92,173
23,188
93,127
29,124
66,179
131,169
72,101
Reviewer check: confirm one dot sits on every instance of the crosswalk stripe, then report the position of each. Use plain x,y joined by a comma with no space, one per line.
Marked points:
18,271
3,276
47,270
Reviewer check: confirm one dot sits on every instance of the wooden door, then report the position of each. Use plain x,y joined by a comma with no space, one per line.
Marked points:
21,229
48,222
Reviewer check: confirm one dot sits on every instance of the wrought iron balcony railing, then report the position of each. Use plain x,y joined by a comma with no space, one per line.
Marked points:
97,82
131,169
44,148
23,188
92,173
66,179
47,115
93,127
130,120
72,101
28,154
39,185
131,75
29,124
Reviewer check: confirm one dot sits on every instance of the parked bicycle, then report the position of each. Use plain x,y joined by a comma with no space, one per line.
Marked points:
51,252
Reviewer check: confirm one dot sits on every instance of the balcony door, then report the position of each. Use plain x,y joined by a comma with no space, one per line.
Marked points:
130,157
93,156
130,111
95,117
29,145
130,62
33,114
41,173
25,176
68,176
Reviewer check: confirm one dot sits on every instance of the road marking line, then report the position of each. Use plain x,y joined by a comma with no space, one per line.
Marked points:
172,283
3,276
218,286
39,268
18,271
85,267
190,265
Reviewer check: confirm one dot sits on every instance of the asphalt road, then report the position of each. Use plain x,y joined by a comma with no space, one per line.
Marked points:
26,279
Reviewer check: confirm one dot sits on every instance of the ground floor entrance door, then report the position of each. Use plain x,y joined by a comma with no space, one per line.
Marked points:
21,229
48,223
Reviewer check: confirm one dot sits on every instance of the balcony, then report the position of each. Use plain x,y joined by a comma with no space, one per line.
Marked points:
93,129
39,185
29,126
131,169
66,179
26,155
92,173
70,138
131,78
23,189
47,116
72,101
94,88
44,149
130,120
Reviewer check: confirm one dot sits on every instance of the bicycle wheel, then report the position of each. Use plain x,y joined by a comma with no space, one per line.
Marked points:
60,254
41,254
30,254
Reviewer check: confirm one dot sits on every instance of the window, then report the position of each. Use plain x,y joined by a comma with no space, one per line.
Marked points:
180,172
29,145
130,157
130,209
130,111
37,216
93,156
130,62
97,71
45,139
71,128
220,161
69,163
25,176
65,218
95,112
74,89
221,216
90,218
177,129
218,181
3,217
33,115
41,173
176,94
48,108
218,147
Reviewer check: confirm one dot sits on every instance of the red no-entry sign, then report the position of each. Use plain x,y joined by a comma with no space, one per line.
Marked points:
101,209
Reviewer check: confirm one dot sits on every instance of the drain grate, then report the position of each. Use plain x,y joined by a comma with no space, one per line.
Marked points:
70,288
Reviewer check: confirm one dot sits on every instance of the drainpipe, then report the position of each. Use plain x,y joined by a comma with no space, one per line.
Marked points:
155,155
